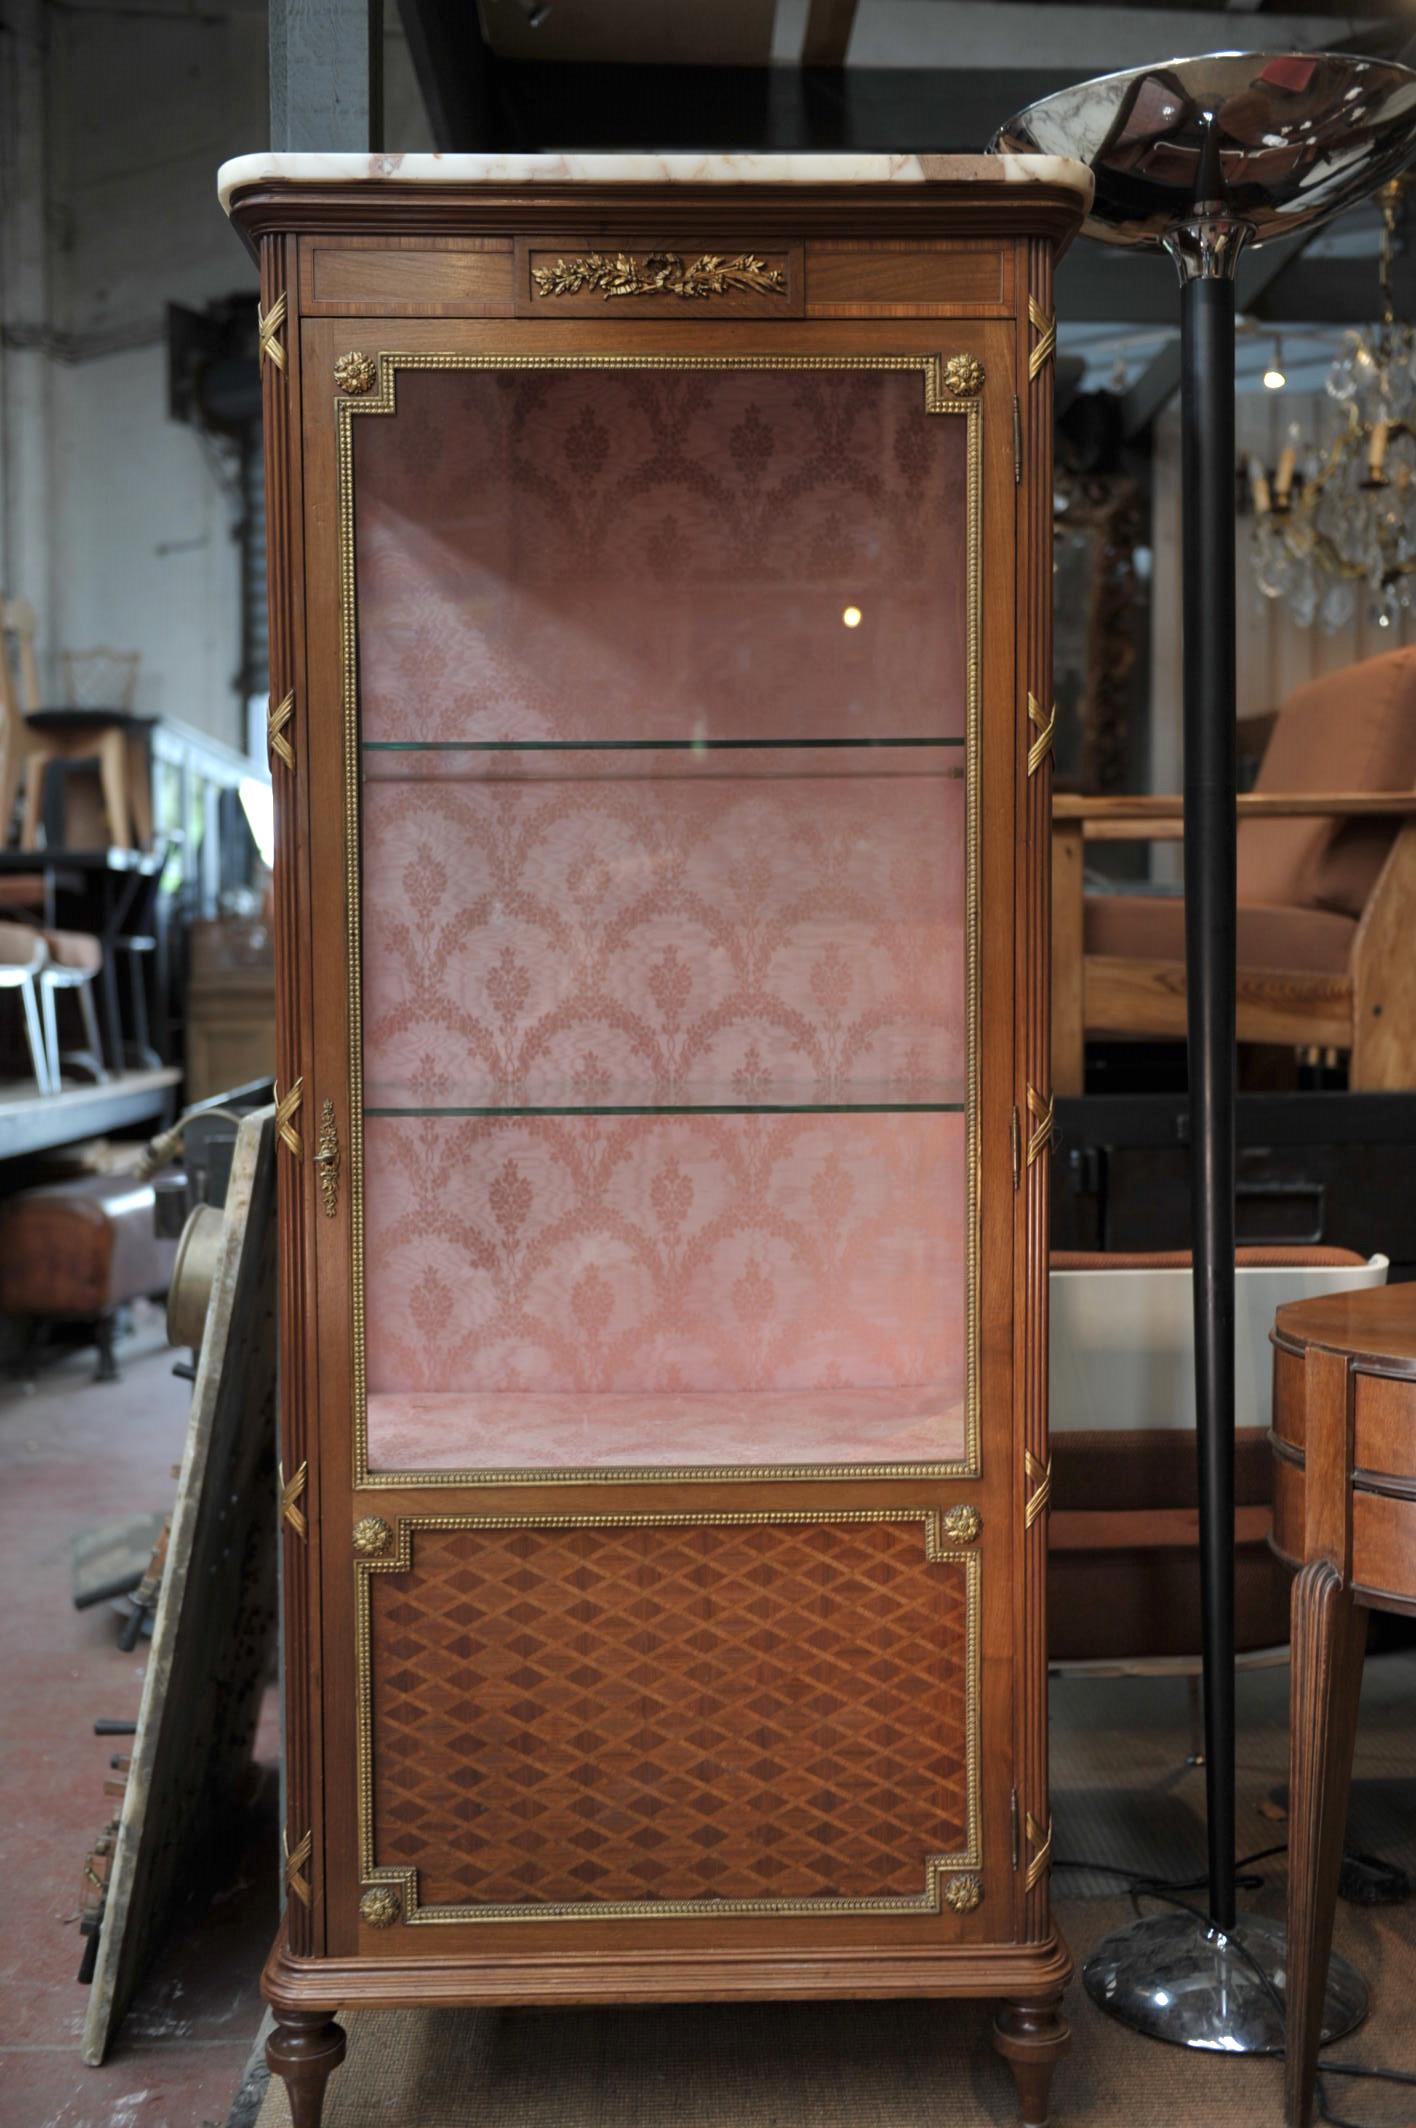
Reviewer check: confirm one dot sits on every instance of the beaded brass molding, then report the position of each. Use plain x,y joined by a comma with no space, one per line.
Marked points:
1044,1116
1045,347
1042,1851
663,273
276,720
1040,1477
327,1158
268,327
296,1861
1045,727
291,1492
287,1107
402,1884
938,399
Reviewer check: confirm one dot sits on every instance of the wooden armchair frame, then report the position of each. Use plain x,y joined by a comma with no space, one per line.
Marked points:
1370,1012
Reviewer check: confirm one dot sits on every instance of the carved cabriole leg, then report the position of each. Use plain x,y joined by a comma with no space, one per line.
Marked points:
1329,1635
304,2050
1032,2037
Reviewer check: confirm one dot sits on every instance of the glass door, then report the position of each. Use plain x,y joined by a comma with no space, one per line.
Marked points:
662,738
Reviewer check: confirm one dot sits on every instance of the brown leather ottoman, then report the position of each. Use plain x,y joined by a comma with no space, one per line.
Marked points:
79,1251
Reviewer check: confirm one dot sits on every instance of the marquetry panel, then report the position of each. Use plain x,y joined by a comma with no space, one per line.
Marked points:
673,1711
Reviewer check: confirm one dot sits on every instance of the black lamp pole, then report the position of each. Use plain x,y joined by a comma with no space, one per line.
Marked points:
1203,156
1206,252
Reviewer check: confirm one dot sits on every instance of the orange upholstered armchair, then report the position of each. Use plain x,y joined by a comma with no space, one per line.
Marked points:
1327,892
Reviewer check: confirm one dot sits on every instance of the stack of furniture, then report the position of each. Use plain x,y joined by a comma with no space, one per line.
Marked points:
230,1004
80,1250
663,1158
34,738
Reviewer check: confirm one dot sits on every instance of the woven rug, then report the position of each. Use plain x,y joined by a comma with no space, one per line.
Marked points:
1122,1794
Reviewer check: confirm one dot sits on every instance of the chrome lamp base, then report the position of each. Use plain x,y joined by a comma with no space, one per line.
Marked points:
1177,1977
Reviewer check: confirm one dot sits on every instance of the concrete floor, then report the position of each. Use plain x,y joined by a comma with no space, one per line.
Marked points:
74,1453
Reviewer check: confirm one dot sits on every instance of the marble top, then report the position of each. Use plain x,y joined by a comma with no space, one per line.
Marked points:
640,168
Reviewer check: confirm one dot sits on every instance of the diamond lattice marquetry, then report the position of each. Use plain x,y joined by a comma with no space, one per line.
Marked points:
772,1711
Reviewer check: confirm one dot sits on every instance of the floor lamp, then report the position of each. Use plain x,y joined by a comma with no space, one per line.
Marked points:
1204,158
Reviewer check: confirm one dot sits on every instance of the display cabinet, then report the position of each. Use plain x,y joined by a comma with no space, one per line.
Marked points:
660,557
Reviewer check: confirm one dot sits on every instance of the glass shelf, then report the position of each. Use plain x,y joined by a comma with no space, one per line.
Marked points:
787,1103
691,1108
633,746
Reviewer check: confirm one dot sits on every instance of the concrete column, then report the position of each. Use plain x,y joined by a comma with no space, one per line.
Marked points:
27,566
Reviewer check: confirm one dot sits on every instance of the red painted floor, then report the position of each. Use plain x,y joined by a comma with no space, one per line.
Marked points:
74,1453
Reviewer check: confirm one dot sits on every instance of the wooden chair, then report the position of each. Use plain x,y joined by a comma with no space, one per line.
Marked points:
1327,893
33,738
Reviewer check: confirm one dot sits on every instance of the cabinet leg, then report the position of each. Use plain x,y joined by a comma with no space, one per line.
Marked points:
1329,1636
1032,2037
305,2049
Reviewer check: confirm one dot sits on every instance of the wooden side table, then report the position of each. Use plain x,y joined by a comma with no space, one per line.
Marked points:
1344,1442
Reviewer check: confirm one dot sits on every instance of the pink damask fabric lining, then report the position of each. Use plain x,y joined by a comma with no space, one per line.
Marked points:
626,1259
599,554
633,557
762,1426
654,929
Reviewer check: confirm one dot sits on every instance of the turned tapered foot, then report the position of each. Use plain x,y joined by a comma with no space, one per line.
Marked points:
304,2050
1031,2037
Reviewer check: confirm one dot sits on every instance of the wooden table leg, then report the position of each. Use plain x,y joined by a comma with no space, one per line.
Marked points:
1329,1640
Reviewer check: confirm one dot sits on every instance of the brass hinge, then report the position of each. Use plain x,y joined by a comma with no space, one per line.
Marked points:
1046,346
1043,1114
1039,1476
1041,1845
1045,727
286,1106
1013,1825
277,718
1017,441
268,324
1015,1132
327,1159
291,1492
296,1861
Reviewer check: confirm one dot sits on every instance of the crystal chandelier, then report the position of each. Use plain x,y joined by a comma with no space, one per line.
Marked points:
1337,521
